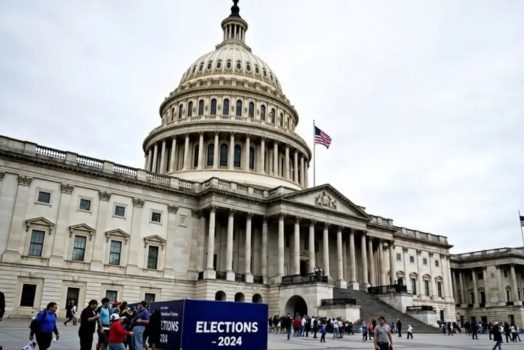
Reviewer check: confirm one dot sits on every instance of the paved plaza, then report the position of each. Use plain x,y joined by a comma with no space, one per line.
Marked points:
14,333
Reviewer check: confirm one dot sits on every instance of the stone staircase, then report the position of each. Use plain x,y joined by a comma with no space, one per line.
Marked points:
371,308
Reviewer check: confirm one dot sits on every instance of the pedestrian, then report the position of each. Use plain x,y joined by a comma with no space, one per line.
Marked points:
103,324
399,328
410,331
70,313
364,329
323,333
308,326
2,309
474,331
507,332
314,321
497,336
44,326
286,325
88,320
153,338
382,335
515,332
139,322
117,333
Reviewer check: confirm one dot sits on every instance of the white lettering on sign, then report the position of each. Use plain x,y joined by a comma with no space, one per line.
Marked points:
170,326
226,327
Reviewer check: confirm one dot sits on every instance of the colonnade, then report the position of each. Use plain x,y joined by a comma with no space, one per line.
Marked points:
212,151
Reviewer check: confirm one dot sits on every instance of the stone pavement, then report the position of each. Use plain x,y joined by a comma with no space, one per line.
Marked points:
14,335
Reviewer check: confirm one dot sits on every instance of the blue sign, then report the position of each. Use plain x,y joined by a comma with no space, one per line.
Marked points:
203,325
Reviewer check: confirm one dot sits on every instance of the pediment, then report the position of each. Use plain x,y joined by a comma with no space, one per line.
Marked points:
40,221
154,239
326,197
81,228
117,233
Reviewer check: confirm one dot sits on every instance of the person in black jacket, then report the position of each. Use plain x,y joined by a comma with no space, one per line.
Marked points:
286,324
2,309
88,321
497,336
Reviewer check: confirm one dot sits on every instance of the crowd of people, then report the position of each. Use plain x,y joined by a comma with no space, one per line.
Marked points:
119,326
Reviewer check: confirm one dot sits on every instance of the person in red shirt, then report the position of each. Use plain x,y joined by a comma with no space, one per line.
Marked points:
117,333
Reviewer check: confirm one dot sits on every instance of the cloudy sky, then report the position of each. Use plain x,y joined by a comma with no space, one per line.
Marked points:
424,100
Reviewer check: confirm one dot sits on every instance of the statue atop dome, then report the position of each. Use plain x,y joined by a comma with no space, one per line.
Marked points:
235,10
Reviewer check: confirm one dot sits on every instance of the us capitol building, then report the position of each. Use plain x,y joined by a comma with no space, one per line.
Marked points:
223,210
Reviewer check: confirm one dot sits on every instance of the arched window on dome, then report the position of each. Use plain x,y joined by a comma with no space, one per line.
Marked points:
172,113
209,65
223,154
219,64
251,158
210,154
225,107
180,111
239,65
238,110
237,156
251,110
281,120
263,113
272,116
190,108
201,107
195,157
213,106
201,66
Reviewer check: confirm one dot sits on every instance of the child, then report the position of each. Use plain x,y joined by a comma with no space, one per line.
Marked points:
323,333
410,331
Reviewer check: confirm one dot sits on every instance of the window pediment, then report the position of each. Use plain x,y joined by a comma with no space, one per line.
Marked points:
154,239
40,221
82,228
117,233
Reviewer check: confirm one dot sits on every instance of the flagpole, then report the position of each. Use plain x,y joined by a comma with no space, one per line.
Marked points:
521,231
315,158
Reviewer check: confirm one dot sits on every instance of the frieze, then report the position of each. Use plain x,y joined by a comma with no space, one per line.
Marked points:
104,196
172,209
24,180
137,202
66,188
325,200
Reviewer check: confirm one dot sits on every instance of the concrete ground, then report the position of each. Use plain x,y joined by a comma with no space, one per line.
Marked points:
14,335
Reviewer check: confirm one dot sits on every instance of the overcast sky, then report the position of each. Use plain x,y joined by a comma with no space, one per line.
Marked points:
424,100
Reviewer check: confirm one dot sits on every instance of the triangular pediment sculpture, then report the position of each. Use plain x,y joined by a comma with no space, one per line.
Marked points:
154,239
40,221
117,233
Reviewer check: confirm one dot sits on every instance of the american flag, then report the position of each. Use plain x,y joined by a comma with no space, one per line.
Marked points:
322,138
521,221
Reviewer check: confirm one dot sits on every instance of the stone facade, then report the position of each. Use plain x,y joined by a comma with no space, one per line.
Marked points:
222,210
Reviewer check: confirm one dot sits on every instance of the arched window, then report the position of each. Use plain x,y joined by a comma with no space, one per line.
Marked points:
225,107
213,106
195,157
281,120
263,113
210,154
272,116
257,298
238,156
172,112
180,110
251,110
190,109
201,107
251,158
220,295
239,108
239,297
223,154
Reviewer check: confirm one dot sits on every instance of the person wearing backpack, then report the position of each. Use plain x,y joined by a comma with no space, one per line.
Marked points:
44,325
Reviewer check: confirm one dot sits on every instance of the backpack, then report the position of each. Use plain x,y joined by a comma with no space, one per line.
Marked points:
35,322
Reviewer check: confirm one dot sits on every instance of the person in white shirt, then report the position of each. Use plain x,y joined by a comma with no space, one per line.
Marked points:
410,331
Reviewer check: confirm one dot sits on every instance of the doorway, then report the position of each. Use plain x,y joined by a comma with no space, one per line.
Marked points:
303,267
296,305
72,296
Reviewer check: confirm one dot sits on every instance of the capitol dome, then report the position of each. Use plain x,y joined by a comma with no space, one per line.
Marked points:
228,118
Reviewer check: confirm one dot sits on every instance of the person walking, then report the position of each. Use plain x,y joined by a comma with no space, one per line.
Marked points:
153,338
103,324
88,320
70,313
474,331
399,328
410,331
507,332
514,332
497,336
117,333
323,333
364,329
139,322
382,335
45,326
286,325
2,309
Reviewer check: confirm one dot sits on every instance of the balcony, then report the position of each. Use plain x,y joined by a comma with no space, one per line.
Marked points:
419,308
339,301
304,279
389,289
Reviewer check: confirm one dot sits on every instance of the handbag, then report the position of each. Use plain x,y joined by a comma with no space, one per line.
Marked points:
30,346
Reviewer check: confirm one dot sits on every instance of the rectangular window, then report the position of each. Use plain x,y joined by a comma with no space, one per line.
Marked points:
414,286
287,241
399,257
149,298
85,204
114,252
439,289
79,248
156,216
120,211
152,258
44,197
28,295
424,261
37,243
412,259
426,288
306,244
480,276
112,295
436,263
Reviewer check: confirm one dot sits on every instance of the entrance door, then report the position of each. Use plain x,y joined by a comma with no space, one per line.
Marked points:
72,295
303,267
442,315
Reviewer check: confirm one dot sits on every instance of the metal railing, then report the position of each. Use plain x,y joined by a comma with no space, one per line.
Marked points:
420,308
302,279
339,301
389,289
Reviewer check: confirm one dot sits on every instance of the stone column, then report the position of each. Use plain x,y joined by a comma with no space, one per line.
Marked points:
475,289
295,165
163,156
514,286
486,284
302,170
97,264
365,272
500,286
136,244
296,248
462,291
372,277
275,159
172,160
263,254
262,156
176,245
341,283
352,261
149,159
286,164
200,163
216,148
230,274
62,233
382,263
312,253
432,283
392,270
325,246
248,274
185,165
280,247
306,176
231,158
446,272
246,153
210,272
455,287
155,157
